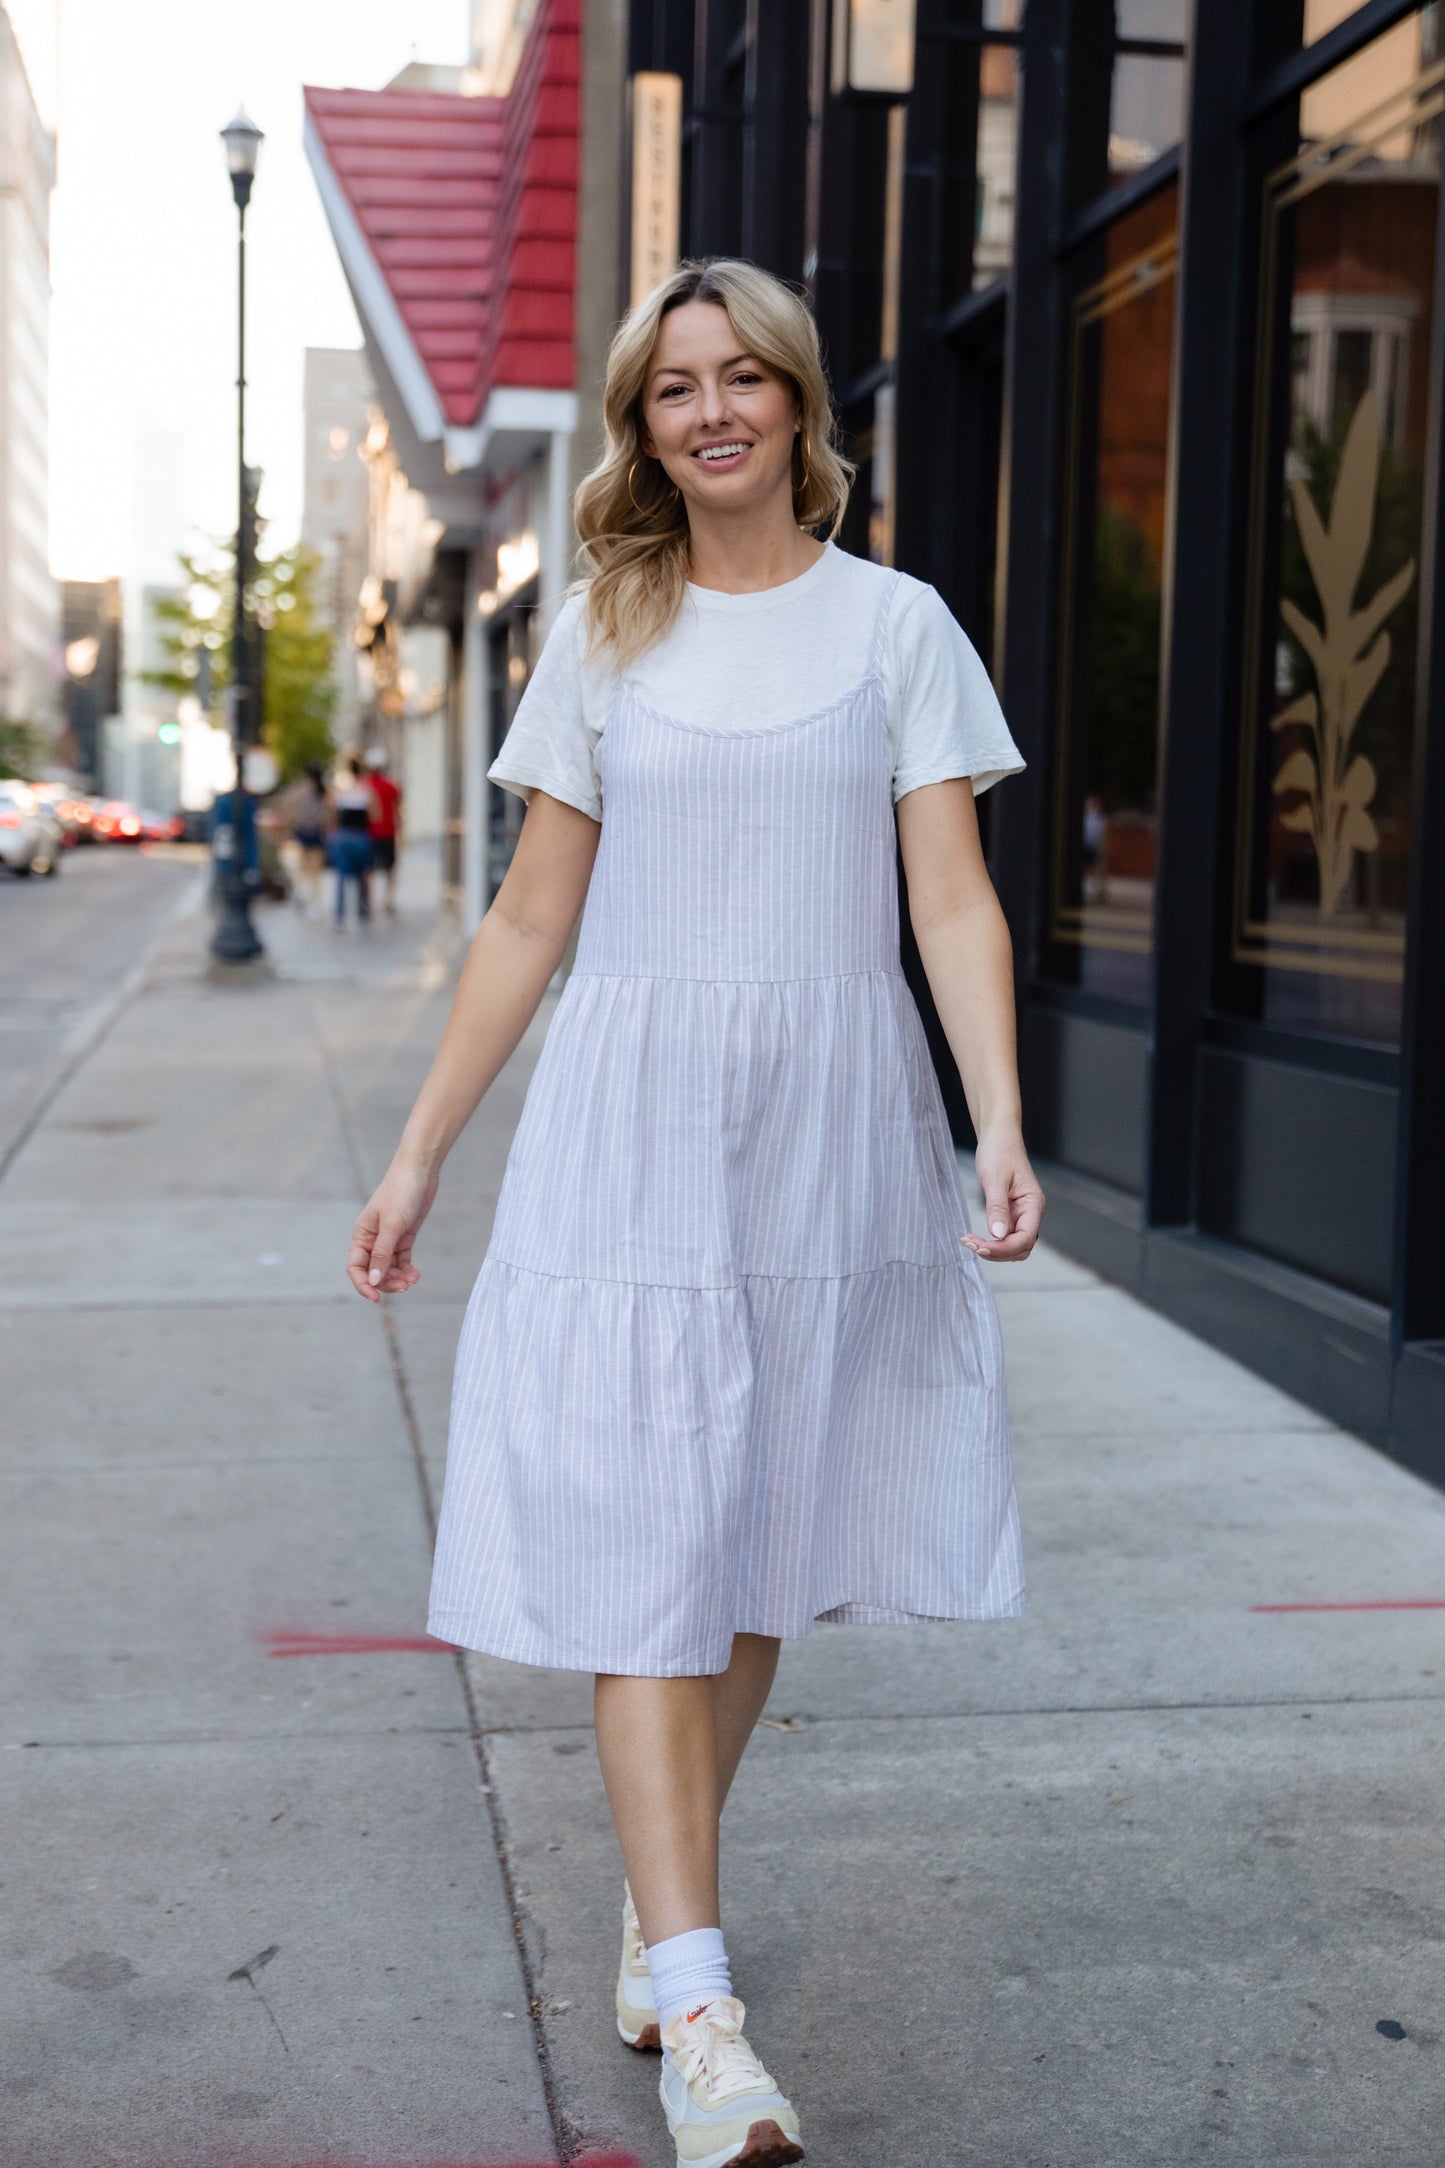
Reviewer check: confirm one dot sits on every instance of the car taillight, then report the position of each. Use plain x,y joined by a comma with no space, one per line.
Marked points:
130,828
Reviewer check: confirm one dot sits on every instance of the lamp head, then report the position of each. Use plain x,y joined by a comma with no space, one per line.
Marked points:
243,140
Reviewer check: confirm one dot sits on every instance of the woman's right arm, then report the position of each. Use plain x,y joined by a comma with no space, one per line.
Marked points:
513,955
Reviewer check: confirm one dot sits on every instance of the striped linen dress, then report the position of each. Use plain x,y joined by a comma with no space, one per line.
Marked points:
727,1366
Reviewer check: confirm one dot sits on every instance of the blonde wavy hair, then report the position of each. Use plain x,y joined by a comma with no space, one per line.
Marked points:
630,518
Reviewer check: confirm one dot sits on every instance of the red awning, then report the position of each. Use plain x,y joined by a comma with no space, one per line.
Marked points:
467,210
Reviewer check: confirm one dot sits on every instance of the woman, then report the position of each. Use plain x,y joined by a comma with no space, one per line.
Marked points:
310,814
350,847
731,1364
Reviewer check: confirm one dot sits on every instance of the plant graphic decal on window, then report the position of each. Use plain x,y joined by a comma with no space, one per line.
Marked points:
1349,653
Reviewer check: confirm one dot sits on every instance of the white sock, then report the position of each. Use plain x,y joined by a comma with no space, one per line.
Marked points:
688,1970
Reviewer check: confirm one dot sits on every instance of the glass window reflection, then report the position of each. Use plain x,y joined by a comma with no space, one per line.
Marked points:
1347,310
1146,106
1105,813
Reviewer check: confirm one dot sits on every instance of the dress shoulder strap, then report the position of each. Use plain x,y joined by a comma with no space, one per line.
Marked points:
880,626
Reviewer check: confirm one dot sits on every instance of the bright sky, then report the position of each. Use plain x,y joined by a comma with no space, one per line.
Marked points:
143,253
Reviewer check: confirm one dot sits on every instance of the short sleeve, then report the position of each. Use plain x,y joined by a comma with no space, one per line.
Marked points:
551,745
944,713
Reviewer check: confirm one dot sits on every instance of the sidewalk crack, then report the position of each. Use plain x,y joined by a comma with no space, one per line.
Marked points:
562,2134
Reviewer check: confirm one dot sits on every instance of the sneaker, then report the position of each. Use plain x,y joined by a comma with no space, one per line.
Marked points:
721,2105
636,2009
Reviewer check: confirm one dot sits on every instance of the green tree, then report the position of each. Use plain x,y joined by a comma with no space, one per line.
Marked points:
22,748
298,692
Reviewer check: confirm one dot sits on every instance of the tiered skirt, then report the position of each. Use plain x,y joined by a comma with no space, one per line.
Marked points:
727,1366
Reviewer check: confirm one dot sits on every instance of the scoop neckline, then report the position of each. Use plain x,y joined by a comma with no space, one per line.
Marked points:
718,598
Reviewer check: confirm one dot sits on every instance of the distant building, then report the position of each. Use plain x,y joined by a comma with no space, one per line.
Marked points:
92,652
337,396
29,602
477,225
142,759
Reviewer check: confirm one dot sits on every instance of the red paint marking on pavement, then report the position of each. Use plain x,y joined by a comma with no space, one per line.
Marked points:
1404,1603
309,1644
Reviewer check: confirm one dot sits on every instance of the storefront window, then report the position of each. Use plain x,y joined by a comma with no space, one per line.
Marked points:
1146,107
1345,357
1105,823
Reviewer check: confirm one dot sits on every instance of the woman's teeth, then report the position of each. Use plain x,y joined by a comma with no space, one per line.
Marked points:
720,451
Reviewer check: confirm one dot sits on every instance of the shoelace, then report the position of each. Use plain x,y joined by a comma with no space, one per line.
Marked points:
715,2050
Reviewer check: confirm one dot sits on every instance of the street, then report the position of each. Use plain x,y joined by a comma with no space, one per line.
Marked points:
1147,1877
66,944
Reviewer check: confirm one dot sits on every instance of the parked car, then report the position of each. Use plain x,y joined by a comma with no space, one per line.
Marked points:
54,828
117,822
161,827
29,833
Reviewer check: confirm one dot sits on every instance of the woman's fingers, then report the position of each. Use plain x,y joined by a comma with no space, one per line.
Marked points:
379,1260
1022,1215
359,1256
998,1211
385,1260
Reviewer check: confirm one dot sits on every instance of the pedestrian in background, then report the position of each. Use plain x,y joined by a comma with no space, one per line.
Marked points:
350,844
731,1365
310,816
385,822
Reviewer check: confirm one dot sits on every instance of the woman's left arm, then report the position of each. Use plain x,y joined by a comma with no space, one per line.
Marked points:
963,940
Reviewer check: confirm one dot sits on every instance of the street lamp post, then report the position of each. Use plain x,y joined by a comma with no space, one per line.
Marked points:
235,939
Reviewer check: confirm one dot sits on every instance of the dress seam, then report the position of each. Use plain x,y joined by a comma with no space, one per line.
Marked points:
726,1287
688,978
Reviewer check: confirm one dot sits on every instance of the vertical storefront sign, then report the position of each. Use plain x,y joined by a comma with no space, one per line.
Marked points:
873,47
656,159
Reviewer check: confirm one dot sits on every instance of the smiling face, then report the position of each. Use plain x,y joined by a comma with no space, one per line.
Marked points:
722,423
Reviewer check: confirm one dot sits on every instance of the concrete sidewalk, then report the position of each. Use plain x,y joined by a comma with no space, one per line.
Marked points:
1134,1880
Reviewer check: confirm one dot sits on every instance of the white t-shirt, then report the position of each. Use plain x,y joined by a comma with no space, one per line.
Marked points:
732,661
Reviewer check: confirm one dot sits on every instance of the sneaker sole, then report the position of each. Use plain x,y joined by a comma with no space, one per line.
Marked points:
646,2042
766,2146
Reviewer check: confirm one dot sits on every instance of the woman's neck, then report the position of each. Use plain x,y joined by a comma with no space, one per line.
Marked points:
744,562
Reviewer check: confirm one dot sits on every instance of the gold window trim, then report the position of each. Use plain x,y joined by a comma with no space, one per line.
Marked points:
1355,952
1130,931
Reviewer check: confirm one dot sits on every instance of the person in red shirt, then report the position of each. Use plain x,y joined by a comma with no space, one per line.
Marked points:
385,822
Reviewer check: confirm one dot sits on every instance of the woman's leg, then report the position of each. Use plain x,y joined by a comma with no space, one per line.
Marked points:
658,1747
669,1750
739,1696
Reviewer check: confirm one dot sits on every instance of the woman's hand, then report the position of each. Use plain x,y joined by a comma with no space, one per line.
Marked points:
1013,1203
379,1260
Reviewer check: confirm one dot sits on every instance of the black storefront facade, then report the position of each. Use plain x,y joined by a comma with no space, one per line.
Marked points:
1133,314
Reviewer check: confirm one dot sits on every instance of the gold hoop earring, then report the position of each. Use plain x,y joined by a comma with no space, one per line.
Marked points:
641,510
